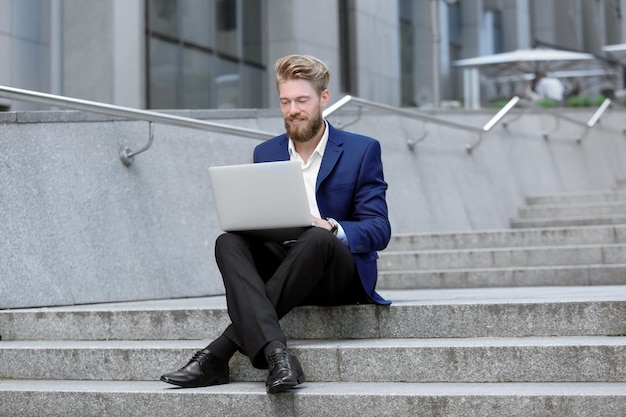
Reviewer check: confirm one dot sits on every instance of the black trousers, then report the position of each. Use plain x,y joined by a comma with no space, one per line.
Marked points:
265,280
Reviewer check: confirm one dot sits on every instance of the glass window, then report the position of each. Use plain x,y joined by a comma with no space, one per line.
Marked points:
252,86
252,31
196,80
498,34
29,20
196,16
201,56
163,76
493,31
455,24
226,25
227,85
407,52
347,48
162,17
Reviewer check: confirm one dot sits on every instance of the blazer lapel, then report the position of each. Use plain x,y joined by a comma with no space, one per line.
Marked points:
334,149
283,149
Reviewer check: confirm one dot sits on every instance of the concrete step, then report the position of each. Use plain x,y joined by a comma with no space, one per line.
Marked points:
570,210
510,238
578,197
466,312
517,359
503,258
504,277
570,221
134,399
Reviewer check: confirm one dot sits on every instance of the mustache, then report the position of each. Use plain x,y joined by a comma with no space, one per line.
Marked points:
306,131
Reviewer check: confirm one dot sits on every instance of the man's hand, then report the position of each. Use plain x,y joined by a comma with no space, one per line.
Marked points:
329,224
323,223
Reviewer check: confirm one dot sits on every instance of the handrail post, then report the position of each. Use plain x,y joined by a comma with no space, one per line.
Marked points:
595,119
425,118
587,126
492,122
336,106
503,111
127,156
598,114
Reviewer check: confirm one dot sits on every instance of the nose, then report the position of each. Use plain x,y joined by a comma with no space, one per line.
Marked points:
293,108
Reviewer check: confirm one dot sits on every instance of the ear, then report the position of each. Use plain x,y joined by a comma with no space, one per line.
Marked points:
325,97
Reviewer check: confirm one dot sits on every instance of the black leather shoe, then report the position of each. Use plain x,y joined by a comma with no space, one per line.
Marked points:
285,371
202,370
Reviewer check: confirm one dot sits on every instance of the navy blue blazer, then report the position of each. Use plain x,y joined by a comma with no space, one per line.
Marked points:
351,189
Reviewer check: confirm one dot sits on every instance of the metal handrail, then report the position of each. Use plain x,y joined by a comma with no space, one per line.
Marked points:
595,118
126,155
598,114
426,118
503,111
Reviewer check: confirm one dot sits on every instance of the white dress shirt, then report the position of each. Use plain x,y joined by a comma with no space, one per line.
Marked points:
310,171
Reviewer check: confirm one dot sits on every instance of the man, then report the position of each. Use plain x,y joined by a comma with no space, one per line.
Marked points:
548,87
331,264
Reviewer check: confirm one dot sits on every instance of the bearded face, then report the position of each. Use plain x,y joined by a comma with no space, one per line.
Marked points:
305,129
302,107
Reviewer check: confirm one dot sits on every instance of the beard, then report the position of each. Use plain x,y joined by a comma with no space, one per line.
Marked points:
305,132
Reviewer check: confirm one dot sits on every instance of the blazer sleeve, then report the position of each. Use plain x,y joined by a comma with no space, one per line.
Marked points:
367,227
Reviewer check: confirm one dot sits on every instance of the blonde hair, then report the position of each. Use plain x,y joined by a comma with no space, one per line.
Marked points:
303,67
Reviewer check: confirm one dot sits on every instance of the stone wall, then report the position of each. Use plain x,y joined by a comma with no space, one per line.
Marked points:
80,227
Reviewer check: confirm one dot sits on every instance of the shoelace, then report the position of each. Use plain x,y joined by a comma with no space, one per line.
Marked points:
200,356
277,357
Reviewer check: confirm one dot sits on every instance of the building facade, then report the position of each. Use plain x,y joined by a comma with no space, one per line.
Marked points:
167,54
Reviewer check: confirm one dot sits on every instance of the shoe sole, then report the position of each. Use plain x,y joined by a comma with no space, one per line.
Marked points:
221,381
285,386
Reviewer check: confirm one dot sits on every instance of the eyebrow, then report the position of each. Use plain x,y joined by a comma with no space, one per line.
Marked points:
296,98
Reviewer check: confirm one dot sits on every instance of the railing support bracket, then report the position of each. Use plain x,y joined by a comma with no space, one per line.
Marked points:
590,124
469,148
127,156
425,118
491,123
412,142
583,136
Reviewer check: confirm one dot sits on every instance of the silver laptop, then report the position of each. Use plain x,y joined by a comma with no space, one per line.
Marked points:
267,200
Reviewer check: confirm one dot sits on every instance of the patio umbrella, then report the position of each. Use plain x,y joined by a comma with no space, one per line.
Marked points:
618,51
522,61
519,65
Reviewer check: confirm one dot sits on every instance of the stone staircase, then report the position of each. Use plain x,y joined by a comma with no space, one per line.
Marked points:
563,239
522,322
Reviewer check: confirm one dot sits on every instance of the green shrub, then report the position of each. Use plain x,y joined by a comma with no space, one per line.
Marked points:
575,101
497,104
546,102
584,101
596,101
